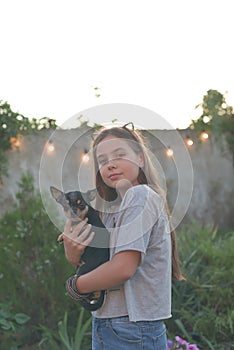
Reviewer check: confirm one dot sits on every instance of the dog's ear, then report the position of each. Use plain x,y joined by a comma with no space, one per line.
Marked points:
91,194
56,194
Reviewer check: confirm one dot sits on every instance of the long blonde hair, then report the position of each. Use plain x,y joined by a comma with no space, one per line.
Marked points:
148,177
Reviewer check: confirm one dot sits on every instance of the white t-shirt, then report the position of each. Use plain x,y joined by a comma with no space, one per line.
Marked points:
141,224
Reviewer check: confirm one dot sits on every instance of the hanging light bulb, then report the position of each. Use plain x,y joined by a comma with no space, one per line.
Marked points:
204,136
189,142
169,152
85,156
50,146
16,142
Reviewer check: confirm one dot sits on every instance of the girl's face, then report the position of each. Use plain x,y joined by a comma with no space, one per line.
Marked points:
118,163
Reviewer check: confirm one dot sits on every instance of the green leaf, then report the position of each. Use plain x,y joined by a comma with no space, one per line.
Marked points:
182,328
207,342
5,325
81,330
21,318
62,325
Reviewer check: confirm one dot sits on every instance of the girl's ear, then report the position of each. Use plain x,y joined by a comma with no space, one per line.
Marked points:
141,160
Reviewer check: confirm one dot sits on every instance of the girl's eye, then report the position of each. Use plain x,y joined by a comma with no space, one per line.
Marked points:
102,161
121,155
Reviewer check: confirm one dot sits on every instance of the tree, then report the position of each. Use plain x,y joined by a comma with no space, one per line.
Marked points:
13,124
217,117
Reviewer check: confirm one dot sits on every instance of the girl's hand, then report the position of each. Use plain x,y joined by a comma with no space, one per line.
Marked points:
75,240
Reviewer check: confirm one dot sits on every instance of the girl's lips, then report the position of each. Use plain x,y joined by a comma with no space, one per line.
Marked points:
114,176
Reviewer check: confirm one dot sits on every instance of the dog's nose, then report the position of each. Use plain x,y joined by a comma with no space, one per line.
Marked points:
82,207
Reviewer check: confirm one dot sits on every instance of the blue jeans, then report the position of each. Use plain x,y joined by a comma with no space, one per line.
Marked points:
121,334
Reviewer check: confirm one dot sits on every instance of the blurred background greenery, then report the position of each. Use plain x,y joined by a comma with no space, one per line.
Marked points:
33,270
35,312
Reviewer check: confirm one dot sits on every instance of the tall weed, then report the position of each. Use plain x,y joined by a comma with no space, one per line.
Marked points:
32,265
202,305
63,339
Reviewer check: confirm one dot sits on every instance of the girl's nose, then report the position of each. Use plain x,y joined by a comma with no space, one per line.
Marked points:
111,164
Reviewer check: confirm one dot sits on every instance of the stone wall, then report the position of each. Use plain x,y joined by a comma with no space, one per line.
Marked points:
198,180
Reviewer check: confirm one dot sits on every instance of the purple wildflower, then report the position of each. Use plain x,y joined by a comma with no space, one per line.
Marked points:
182,341
193,347
169,344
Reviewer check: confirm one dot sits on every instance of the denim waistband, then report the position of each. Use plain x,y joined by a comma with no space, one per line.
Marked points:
126,318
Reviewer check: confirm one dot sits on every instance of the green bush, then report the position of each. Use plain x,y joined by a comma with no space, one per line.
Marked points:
63,339
11,326
33,268
202,305
14,124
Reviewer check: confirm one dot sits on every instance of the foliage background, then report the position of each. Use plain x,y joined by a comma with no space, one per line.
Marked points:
14,124
216,118
33,267
33,270
202,308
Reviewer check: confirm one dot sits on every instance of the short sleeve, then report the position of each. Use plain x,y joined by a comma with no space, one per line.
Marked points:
136,218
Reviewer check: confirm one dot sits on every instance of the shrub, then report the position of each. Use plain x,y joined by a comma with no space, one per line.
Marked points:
33,270
202,305
32,265
11,326
63,340
12,126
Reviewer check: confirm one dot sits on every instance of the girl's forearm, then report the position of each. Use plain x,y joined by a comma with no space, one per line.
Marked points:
110,274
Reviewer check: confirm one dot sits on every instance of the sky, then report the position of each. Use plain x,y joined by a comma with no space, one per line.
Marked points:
160,55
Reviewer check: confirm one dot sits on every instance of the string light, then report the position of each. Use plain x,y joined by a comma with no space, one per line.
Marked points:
169,152
85,156
189,142
15,141
204,136
50,146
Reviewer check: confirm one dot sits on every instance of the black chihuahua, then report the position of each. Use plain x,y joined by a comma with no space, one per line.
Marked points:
77,206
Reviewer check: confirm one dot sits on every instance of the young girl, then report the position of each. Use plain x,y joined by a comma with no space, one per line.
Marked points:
143,254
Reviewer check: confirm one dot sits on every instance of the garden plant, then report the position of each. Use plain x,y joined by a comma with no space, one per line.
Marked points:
33,270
